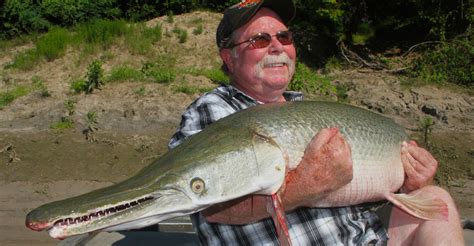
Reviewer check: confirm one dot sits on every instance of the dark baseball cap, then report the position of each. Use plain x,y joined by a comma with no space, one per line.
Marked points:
239,14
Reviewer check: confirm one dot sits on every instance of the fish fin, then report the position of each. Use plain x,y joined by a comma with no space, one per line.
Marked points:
275,208
420,204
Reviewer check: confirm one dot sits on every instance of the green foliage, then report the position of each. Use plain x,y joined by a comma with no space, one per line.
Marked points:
10,96
309,81
450,61
189,89
69,12
53,44
94,78
124,73
21,16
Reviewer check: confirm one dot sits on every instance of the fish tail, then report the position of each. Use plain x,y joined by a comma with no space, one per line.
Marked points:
420,204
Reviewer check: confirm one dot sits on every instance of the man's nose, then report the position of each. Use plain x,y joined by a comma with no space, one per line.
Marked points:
275,46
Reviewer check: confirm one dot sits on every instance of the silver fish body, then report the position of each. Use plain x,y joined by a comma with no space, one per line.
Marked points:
245,153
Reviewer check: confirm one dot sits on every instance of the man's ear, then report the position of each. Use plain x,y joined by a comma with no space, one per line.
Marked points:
226,56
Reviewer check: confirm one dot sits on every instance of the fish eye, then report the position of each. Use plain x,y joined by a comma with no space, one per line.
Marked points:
197,185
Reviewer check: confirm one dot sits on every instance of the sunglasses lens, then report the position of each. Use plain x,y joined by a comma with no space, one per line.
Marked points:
261,40
285,37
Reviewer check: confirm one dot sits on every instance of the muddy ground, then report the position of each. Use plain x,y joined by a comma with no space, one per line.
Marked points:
39,164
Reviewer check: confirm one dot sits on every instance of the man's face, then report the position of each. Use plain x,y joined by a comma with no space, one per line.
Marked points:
261,72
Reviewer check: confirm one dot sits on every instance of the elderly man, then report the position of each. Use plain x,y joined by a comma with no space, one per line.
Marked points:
259,55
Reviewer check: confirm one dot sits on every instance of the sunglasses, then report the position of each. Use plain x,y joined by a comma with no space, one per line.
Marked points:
263,39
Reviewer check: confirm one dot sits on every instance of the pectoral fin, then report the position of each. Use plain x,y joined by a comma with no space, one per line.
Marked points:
271,163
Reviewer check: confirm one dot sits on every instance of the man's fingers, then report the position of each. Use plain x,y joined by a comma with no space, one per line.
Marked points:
322,137
422,157
407,165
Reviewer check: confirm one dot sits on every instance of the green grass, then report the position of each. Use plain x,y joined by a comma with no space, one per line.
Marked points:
25,60
216,75
38,84
190,89
311,82
101,32
140,38
124,73
182,34
198,30
53,44
11,95
63,123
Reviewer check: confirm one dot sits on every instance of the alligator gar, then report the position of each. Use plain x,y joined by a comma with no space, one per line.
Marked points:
245,153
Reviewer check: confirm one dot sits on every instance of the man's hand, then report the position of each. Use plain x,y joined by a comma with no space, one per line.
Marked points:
420,166
325,166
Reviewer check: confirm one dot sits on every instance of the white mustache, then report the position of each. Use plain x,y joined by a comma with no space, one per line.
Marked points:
273,59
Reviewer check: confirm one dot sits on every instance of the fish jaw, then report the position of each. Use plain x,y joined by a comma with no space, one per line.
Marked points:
151,210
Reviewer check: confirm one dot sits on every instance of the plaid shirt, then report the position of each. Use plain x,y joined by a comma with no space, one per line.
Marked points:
307,226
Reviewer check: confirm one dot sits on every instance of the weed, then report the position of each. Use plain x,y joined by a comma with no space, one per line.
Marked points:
94,76
38,84
182,34
53,45
70,105
198,30
91,118
427,125
64,123
78,85
10,96
124,73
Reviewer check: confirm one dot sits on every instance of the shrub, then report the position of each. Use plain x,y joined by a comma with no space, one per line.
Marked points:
450,61
94,76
